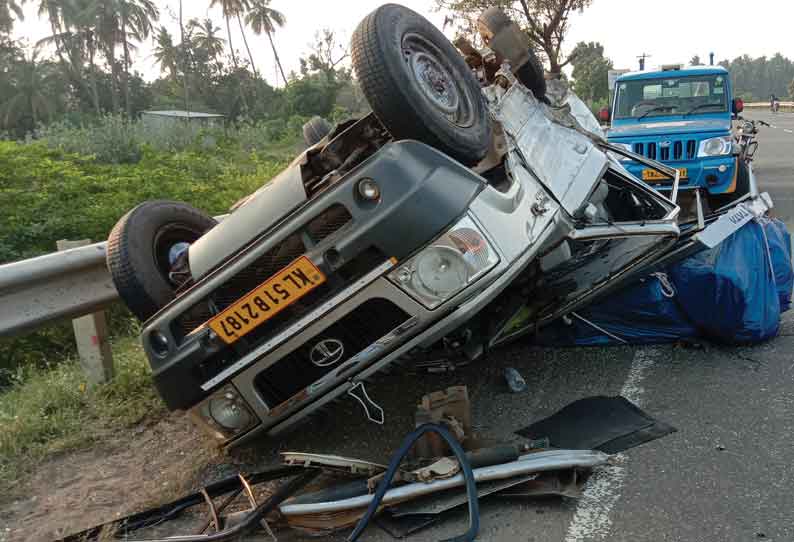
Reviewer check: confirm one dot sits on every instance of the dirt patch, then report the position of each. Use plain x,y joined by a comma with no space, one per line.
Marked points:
131,471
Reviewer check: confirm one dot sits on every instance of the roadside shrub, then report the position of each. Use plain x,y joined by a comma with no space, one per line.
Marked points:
48,194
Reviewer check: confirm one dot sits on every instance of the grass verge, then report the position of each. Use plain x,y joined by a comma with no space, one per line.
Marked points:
52,409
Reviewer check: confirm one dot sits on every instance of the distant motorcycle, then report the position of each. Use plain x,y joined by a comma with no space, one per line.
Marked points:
775,105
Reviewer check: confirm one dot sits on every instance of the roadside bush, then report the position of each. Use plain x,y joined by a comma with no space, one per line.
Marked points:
112,140
48,194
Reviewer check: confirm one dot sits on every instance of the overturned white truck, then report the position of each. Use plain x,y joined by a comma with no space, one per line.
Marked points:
471,206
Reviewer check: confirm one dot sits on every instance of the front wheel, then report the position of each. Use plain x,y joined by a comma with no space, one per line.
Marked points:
145,248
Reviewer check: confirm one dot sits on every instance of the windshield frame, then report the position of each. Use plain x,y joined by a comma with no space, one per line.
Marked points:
633,91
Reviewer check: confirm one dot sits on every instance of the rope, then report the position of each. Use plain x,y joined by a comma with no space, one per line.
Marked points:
668,290
599,328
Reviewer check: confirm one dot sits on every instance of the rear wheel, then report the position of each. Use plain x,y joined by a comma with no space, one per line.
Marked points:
144,248
418,85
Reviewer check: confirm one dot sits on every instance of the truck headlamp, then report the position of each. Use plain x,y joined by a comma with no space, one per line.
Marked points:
716,146
448,265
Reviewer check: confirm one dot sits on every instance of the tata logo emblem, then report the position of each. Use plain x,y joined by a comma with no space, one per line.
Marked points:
665,144
327,352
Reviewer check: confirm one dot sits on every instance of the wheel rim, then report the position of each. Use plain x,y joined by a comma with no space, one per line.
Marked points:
434,76
169,244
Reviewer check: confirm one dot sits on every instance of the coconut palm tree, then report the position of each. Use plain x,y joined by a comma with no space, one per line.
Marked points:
136,18
262,18
74,35
8,10
247,48
231,8
204,35
165,52
30,80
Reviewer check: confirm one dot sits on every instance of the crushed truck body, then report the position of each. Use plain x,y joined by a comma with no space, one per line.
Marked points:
472,206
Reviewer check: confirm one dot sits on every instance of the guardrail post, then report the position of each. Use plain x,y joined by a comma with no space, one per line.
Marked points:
91,335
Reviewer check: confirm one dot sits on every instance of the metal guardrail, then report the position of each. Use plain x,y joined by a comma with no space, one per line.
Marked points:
57,286
784,106
53,287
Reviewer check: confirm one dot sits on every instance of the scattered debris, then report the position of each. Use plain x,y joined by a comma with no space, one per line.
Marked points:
450,408
608,424
514,380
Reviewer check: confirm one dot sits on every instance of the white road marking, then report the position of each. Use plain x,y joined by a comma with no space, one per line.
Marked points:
788,131
591,520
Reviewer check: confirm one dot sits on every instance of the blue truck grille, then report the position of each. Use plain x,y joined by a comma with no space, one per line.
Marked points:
682,149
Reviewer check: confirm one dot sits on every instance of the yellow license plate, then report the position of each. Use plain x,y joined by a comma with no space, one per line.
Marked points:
654,175
267,300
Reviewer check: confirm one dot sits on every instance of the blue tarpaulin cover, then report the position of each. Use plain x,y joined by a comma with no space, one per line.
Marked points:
730,292
644,313
779,241
733,293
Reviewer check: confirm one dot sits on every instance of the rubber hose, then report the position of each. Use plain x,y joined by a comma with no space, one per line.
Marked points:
394,464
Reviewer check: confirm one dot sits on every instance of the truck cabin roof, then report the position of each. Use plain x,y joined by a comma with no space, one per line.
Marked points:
682,72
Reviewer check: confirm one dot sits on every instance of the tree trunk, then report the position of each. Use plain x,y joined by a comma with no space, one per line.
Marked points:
231,47
245,41
114,75
184,61
275,54
127,102
94,90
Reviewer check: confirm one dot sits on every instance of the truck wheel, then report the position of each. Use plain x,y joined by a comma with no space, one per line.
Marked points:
418,85
315,129
513,46
143,247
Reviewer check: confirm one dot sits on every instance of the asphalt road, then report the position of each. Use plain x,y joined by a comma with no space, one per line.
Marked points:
726,475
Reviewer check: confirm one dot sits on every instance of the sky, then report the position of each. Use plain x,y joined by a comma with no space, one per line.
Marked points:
670,31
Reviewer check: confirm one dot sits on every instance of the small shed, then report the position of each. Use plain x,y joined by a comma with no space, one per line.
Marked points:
160,119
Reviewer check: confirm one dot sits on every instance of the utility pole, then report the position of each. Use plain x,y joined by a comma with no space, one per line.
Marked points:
711,59
642,59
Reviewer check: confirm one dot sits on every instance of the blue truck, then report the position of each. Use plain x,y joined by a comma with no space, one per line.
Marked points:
682,118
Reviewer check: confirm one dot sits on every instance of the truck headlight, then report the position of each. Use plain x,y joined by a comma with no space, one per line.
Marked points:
716,146
448,265
224,413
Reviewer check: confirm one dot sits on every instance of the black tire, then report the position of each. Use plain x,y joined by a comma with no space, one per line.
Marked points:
140,246
742,187
531,73
315,129
443,107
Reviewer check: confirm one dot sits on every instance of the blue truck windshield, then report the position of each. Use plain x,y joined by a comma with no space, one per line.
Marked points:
645,98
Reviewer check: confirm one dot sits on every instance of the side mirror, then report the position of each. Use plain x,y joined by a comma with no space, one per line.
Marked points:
604,114
738,105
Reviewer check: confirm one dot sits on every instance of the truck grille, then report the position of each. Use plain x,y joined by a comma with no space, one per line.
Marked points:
683,149
319,228
355,332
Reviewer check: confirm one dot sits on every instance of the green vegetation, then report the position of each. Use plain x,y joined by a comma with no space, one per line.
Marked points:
756,79
48,194
51,409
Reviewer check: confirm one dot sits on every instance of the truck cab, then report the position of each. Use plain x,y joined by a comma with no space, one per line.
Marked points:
682,118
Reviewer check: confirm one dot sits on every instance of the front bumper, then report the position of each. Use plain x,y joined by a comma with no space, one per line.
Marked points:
717,175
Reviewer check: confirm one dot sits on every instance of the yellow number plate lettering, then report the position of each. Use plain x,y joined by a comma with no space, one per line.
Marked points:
267,300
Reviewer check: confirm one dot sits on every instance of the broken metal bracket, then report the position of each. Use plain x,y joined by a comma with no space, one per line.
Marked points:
372,410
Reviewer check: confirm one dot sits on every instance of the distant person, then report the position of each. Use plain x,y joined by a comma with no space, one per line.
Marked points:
774,103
